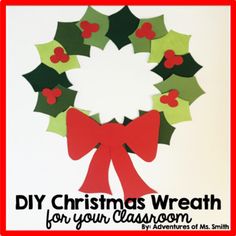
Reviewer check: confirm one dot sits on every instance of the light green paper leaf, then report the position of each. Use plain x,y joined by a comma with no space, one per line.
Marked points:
173,115
174,41
46,50
98,39
58,124
188,88
143,44
96,117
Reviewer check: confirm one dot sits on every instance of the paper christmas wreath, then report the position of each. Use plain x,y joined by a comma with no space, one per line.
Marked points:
113,141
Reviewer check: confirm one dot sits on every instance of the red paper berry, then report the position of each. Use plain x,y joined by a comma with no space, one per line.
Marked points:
88,28
145,31
59,55
51,95
172,59
178,60
169,54
170,99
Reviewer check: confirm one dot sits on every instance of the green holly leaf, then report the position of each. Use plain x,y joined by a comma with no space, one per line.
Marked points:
58,124
69,35
143,44
166,130
188,88
46,50
97,39
122,24
62,103
188,68
96,117
173,115
126,121
177,42
46,77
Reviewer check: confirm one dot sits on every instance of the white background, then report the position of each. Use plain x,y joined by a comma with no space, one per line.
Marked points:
196,162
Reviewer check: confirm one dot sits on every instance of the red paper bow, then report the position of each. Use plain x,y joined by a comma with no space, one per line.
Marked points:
141,135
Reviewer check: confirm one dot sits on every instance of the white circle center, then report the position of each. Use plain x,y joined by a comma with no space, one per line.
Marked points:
114,83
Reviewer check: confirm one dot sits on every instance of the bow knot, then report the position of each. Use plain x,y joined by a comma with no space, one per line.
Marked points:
112,135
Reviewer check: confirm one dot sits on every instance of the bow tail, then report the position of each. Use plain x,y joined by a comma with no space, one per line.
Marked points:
96,180
132,184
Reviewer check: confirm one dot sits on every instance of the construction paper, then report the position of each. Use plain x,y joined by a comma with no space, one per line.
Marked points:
121,25
171,59
88,29
145,31
47,51
96,117
141,112
171,98
97,39
59,56
63,102
166,130
175,41
114,121
45,77
188,88
126,121
188,68
51,95
69,35
83,134
175,114
58,124
144,44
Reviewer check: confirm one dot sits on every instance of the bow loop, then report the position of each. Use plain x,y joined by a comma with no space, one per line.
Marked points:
143,133
82,133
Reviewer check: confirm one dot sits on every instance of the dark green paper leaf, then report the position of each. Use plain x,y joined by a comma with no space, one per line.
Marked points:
46,77
188,69
69,36
63,102
122,24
